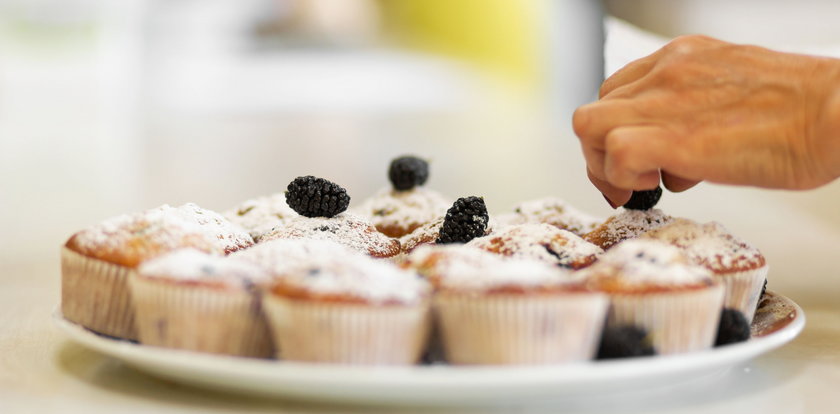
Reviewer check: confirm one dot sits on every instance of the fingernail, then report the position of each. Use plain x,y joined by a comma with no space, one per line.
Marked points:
610,202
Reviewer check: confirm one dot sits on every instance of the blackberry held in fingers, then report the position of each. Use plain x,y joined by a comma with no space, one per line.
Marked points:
408,172
316,197
644,200
464,221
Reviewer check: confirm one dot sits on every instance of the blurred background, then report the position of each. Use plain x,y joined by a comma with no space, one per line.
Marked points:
111,107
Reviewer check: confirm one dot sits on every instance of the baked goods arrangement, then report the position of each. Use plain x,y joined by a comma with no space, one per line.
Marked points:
409,276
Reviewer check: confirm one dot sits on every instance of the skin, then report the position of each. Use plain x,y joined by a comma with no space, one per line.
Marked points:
701,109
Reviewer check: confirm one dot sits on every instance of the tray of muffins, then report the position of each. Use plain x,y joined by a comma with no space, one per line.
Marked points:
410,297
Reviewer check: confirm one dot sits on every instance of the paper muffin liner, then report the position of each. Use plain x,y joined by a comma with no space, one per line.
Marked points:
95,294
743,290
332,332
200,318
677,322
520,328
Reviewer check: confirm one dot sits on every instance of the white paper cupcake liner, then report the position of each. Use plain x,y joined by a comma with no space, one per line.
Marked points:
743,290
199,318
95,294
520,329
677,322
312,331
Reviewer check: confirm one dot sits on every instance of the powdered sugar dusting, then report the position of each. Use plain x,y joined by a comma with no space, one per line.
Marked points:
260,215
646,262
498,221
397,213
190,265
375,281
282,256
557,212
462,267
710,245
139,236
542,242
346,229
426,234
231,237
625,225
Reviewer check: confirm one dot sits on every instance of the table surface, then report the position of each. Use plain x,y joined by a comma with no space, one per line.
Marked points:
41,371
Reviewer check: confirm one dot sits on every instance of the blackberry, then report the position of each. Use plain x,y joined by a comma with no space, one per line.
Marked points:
464,221
316,197
624,342
733,328
644,200
407,172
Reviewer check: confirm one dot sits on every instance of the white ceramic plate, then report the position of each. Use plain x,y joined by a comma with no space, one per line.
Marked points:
777,322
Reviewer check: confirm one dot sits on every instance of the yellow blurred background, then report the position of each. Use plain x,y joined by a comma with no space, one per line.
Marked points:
111,107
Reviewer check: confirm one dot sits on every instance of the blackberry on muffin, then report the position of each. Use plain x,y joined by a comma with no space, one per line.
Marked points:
464,221
408,172
406,205
316,197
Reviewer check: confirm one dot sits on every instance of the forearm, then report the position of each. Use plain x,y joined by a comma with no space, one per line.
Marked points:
826,132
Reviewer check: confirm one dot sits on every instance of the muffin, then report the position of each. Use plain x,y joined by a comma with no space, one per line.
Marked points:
492,310
97,262
425,234
540,241
464,221
556,212
320,205
195,301
406,205
346,229
738,265
627,224
397,213
259,215
652,286
282,256
350,311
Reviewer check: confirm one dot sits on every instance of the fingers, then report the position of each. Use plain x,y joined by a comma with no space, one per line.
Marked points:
636,154
632,160
615,196
676,184
593,121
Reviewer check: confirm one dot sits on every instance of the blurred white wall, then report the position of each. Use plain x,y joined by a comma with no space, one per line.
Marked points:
112,107
772,23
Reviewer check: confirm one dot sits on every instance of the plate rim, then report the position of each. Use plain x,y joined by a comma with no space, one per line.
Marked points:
296,376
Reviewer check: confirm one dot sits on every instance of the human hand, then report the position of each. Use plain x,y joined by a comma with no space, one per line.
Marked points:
703,109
